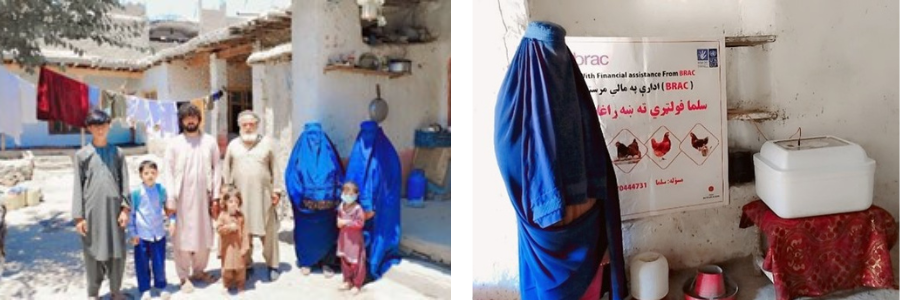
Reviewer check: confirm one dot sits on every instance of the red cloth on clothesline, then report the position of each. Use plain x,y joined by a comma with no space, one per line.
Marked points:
60,98
815,256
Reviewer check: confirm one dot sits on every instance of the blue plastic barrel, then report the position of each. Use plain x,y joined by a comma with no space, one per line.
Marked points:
416,185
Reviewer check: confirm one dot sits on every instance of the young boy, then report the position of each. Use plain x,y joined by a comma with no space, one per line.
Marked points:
148,231
351,248
101,206
234,242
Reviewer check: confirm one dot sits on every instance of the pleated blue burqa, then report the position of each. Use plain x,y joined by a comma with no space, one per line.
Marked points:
375,167
313,177
551,153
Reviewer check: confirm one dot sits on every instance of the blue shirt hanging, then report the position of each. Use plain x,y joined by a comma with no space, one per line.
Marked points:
551,153
313,177
375,167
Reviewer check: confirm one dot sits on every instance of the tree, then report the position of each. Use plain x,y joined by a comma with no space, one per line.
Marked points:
27,25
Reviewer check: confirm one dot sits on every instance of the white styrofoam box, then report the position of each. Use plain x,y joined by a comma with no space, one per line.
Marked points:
820,176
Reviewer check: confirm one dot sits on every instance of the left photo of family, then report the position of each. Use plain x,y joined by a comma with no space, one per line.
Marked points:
225,149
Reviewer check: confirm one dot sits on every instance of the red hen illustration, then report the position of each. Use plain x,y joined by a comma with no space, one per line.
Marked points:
661,148
630,151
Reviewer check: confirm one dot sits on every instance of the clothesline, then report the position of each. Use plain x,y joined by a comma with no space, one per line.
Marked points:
60,98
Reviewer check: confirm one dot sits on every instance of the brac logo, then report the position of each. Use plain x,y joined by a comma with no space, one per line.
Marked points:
591,59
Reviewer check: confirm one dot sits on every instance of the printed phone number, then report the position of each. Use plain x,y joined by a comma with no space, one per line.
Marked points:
633,186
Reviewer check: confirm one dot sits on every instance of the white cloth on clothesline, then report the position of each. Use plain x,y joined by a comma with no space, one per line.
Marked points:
138,111
28,94
168,118
11,104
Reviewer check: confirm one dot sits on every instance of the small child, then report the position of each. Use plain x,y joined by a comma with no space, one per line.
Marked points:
234,242
148,231
351,248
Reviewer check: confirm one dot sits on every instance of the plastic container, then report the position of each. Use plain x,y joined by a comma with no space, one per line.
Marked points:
14,201
33,196
416,186
820,176
432,139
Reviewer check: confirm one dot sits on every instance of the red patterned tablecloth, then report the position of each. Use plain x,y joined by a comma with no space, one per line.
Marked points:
815,256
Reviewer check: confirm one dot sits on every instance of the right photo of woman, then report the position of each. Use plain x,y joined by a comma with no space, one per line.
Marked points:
685,150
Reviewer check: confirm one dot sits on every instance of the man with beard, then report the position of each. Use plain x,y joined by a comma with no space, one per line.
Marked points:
249,166
193,169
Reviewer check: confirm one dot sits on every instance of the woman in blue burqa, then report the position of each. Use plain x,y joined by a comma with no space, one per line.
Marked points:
375,167
559,177
313,178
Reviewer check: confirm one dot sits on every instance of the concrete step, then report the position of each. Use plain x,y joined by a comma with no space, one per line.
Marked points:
426,231
429,279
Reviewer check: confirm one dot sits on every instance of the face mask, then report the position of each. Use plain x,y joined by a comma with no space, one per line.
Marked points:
349,199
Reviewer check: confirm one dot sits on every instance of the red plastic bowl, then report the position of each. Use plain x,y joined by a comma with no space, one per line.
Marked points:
731,290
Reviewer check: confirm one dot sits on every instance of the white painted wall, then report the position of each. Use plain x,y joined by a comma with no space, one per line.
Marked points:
37,134
156,79
272,90
815,75
340,100
186,82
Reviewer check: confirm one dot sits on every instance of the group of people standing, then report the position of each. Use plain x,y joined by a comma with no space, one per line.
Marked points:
351,216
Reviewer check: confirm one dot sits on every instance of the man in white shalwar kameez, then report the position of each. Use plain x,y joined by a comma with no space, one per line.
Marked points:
249,166
194,183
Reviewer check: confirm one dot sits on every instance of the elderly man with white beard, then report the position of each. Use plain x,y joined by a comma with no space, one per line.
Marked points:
249,166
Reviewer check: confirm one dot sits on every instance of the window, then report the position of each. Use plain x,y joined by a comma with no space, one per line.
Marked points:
238,101
57,127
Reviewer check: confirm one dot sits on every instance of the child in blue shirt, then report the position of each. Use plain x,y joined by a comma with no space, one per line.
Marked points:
148,231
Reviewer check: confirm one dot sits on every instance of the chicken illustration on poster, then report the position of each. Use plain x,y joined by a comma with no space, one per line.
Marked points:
662,108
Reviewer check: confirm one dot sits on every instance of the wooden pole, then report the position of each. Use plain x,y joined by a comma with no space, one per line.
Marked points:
2,142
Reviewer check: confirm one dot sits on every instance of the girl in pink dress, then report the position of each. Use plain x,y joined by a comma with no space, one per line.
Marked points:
350,246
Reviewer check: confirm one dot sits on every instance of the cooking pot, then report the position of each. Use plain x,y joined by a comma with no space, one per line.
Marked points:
400,66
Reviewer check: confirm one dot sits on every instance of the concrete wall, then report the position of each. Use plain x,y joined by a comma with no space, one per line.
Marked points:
156,80
186,81
805,76
36,135
340,100
272,88
239,77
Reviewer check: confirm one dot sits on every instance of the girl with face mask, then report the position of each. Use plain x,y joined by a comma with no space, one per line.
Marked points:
351,247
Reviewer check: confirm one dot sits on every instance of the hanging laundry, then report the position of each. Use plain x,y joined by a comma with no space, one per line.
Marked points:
114,104
28,94
60,98
94,96
138,111
152,122
11,101
168,120
217,95
211,99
